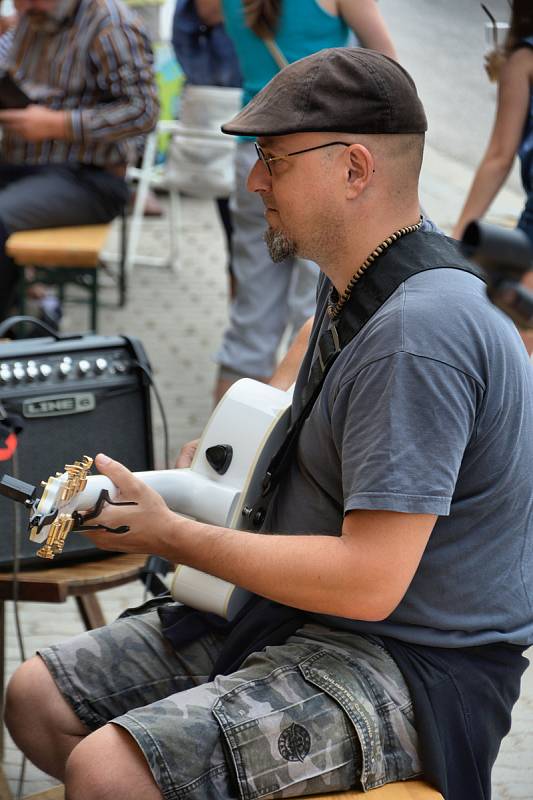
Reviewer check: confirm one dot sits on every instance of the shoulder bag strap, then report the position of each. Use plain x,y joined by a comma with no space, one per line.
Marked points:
275,51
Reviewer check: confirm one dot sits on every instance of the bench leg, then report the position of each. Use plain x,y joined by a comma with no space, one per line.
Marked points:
122,280
22,291
94,300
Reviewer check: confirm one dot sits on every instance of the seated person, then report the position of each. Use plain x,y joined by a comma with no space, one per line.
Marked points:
393,572
87,67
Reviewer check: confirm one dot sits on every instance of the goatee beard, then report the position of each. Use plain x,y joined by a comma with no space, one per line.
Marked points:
279,245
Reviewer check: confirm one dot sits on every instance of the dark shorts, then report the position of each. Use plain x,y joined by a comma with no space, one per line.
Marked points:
326,711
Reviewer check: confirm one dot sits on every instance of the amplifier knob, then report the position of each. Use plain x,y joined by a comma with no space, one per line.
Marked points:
45,370
32,372
5,373
19,373
84,366
100,365
64,369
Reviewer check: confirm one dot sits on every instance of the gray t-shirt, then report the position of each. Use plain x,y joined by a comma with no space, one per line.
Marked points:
429,410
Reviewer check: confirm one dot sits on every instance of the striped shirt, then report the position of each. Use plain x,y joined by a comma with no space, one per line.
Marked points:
6,40
95,62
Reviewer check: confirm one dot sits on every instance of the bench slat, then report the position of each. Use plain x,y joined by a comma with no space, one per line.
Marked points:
402,790
407,790
77,246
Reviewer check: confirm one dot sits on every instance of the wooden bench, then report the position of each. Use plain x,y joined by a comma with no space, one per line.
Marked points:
408,790
61,256
403,790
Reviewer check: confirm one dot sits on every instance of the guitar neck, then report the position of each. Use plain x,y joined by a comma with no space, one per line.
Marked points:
183,490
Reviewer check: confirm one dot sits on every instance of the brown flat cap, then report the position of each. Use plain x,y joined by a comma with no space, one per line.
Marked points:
342,89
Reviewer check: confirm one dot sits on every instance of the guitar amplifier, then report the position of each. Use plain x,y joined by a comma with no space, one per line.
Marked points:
77,396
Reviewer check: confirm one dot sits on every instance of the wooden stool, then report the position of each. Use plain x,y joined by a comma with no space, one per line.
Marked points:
61,256
407,790
54,585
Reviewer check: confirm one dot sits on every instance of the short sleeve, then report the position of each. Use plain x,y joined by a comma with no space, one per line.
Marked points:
401,427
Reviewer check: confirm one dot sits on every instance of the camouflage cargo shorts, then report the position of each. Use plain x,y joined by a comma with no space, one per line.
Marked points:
326,711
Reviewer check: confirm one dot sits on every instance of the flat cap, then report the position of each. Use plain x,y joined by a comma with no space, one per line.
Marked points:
341,89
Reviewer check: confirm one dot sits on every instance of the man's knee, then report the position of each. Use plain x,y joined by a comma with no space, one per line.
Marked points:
33,695
109,764
21,689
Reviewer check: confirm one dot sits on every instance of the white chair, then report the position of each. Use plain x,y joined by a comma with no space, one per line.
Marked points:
205,173
152,175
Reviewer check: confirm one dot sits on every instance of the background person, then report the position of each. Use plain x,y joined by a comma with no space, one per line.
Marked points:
512,133
207,57
267,299
398,546
63,158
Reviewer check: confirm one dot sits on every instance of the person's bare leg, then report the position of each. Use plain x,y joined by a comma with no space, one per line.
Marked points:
109,765
41,722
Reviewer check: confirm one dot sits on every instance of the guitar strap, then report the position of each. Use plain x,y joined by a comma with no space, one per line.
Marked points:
417,252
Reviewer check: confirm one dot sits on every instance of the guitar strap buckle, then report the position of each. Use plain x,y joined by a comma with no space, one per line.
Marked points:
328,346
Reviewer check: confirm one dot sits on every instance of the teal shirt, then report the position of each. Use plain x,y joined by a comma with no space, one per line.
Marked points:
304,28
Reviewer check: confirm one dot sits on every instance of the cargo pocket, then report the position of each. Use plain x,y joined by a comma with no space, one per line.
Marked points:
341,678
286,735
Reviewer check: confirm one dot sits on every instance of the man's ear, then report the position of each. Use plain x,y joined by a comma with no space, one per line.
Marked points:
360,169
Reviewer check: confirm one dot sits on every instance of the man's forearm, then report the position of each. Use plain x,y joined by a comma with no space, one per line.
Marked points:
116,121
314,573
362,573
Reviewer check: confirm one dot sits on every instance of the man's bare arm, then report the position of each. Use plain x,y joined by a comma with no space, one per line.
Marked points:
361,574
287,370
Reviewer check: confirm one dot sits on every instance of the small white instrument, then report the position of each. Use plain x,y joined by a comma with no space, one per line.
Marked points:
221,487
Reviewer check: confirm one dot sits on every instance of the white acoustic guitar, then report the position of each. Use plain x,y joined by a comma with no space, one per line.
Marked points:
220,487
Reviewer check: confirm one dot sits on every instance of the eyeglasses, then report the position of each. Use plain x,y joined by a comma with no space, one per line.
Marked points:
267,160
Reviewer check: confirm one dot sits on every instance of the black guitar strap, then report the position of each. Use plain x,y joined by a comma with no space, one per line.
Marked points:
417,252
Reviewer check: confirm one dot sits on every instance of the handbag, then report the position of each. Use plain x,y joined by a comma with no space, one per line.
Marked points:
202,166
199,164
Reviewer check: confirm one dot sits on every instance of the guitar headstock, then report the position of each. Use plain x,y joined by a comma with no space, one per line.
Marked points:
76,477
51,521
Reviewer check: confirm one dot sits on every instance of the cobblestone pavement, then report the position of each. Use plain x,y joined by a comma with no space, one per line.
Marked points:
179,318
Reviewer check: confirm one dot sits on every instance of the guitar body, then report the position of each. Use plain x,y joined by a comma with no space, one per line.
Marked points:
258,417
220,487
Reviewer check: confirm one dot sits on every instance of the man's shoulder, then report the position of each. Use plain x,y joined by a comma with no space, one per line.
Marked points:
443,315
107,13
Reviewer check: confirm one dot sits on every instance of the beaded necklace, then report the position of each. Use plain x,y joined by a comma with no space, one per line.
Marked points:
335,306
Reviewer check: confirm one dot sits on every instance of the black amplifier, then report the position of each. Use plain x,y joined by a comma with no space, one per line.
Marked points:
76,396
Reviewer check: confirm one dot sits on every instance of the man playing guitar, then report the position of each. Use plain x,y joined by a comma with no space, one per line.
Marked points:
393,573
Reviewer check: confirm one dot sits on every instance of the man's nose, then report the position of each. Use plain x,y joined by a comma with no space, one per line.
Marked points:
259,179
